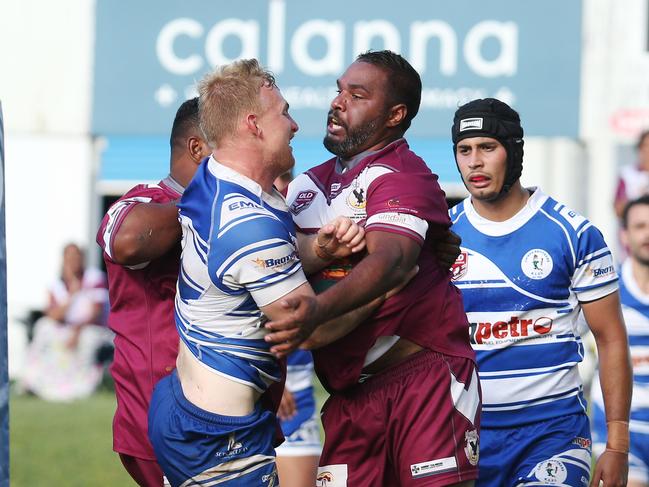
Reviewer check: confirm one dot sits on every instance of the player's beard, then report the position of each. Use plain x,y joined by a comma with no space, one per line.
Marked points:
355,141
283,160
636,251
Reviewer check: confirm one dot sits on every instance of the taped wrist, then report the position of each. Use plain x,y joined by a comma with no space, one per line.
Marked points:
618,436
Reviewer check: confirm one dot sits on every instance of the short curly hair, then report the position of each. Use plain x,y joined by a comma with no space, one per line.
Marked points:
226,93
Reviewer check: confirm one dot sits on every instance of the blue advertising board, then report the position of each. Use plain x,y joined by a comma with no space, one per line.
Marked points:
150,53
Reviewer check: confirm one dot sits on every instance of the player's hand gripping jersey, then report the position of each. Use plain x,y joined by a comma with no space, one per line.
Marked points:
522,281
239,253
391,190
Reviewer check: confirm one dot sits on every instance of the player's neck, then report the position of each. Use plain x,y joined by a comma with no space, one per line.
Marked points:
248,162
640,275
505,206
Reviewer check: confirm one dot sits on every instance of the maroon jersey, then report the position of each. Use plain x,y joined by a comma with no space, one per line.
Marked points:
141,315
391,190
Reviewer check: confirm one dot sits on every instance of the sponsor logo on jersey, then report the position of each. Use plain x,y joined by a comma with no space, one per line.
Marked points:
332,476
302,201
394,203
433,467
601,272
509,331
234,448
394,218
582,442
242,205
271,263
551,472
323,479
471,124
537,264
461,265
270,478
334,189
472,446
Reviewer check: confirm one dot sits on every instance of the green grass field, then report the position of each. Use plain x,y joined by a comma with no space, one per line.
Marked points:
66,445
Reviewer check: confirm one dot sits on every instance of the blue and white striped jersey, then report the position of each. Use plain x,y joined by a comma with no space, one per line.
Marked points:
299,370
522,281
239,253
635,307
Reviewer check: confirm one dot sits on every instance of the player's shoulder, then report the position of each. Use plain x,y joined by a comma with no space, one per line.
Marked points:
399,157
563,215
456,212
243,215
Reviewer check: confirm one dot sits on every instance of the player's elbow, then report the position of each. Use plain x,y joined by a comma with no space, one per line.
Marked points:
127,251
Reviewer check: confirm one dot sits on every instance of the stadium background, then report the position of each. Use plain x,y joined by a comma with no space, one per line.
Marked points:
89,90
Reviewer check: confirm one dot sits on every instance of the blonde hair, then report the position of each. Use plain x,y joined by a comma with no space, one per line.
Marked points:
226,93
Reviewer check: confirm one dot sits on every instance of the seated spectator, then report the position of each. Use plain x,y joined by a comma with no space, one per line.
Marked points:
633,181
61,362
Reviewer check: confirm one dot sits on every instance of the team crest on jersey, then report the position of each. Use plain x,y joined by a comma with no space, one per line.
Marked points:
537,264
472,446
460,266
356,198
551,472
302,201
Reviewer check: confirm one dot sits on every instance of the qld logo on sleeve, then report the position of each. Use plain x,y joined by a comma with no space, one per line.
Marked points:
302,201
460,266
537,264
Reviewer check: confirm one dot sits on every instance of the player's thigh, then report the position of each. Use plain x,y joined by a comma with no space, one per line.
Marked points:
354,452
434,425
297,471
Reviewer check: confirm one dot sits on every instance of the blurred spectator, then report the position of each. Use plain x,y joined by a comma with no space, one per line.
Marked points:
61,362
633,181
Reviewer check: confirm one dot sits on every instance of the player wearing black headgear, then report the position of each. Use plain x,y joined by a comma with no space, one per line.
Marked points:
490,117
528,260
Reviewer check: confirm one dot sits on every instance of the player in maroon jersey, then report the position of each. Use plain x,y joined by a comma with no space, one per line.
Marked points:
405,403
141,244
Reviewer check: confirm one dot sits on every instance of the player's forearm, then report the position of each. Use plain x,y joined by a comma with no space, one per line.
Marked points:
311,261
616,378
149,231
374,276
337,328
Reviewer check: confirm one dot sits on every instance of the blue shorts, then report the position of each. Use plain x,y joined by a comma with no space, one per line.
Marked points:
193,444
302,431
638,448
552,452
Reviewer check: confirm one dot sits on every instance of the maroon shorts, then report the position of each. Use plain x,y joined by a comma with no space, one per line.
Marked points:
146,473
416,424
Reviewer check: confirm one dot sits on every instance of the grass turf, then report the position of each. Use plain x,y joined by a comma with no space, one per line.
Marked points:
66,444
69,444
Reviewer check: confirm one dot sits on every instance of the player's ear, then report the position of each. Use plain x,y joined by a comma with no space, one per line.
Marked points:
624,238
198,148
251,125
396,115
